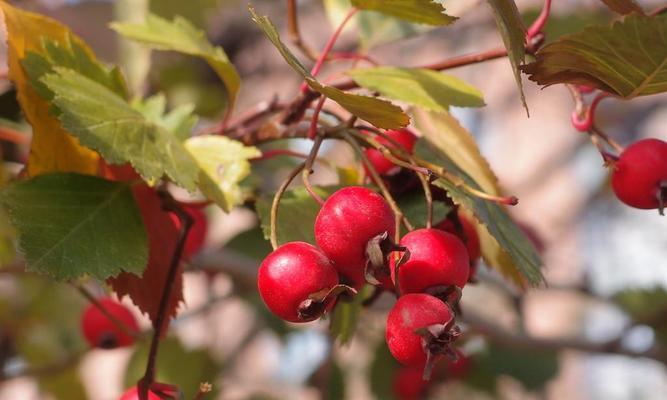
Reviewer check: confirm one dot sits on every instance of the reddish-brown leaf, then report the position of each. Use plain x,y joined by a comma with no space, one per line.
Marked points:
146,290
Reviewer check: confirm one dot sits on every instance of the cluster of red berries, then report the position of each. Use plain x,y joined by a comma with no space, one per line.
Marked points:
354,228
639,176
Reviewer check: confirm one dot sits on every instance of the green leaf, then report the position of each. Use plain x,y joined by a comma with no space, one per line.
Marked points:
532,368
380,113
180,121
181,36
383,369
69,54
224,163
624,6
419,87
512,242
105,122
296,205
419,11
374,28
345,316
71,225
648,307
413,206
455,143
513,32
178,366
628,59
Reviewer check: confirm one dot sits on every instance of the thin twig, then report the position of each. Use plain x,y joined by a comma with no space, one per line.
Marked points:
329,45
186,221
14,136
294,32
523,341
317,142
276,202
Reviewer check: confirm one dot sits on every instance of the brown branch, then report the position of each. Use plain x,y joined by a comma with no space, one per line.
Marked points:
295,34
523,341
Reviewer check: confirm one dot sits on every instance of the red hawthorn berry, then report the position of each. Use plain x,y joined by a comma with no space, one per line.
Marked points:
437,258
468,235
640,174
99,331
404,137
412,313
197,235
133,394
294,281
346,223
409,384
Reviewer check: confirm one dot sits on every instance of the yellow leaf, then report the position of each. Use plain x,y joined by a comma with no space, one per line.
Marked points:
52,148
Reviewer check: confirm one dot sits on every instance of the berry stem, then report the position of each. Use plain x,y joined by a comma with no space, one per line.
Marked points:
93,300
539,23
398,214
398,148
186,221
327,48
276,202
308,167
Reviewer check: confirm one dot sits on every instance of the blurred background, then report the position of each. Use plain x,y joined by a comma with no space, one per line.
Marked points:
597,330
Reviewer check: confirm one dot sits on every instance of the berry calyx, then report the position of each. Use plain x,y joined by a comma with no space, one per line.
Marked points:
437,259
133,394
466,231
403,137
347,223
197,234
101,332
639,176
420,328
298,282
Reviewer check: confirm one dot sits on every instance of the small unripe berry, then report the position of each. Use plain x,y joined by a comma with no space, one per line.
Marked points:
133,394
346,223
412,313
437,258
384,166
640,174
100,331
294,281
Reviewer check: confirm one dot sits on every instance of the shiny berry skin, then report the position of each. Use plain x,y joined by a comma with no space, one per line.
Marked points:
403,137
408,383
410,313
197,235
133,394
347,221
437,258
290,275
469,237
99,331
639,173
